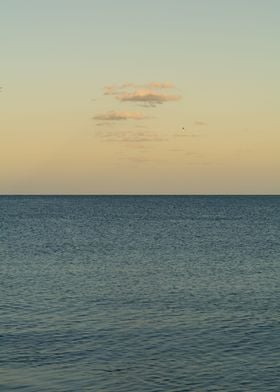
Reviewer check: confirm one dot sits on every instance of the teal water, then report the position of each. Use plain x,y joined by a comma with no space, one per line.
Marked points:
139,293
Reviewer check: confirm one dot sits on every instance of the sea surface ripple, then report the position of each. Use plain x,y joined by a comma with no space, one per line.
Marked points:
139,293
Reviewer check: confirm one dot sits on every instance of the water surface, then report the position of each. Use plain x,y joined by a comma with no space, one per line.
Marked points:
147,293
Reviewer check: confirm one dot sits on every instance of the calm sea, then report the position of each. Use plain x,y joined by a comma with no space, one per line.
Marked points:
142,293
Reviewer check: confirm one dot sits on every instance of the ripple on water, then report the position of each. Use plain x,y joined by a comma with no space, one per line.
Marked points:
139,293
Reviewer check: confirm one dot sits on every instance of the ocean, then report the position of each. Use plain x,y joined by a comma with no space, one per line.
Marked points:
139,293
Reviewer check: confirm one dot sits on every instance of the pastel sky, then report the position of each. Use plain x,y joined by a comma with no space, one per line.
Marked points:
139,97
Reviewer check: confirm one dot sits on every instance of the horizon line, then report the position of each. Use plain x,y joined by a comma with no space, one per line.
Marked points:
135,194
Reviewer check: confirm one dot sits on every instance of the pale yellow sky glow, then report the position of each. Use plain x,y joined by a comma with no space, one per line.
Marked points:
95,101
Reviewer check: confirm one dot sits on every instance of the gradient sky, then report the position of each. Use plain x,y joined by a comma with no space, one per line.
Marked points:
95,95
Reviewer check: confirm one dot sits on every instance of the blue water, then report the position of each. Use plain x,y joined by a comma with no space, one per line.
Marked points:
139,293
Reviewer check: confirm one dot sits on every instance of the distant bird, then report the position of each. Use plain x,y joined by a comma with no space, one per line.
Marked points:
183,128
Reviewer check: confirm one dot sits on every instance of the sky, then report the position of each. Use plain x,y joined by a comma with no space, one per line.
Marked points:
139,97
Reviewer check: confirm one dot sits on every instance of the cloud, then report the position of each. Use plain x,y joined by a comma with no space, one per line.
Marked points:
118,116
129,136
161,85
138,146
114,88
111,89
186,135
150,97
141,159
105,124
149,94
136,159
200,123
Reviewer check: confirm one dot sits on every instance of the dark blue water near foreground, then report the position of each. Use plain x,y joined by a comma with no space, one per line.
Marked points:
139,293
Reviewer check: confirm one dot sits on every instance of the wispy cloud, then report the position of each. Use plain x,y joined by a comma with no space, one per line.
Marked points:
149,97
150,93
136,159
118,116
161,85
141,159
129,136
186,135
105,124
112,89
200,123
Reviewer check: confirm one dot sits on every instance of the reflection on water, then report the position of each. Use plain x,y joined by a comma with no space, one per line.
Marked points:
140,293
